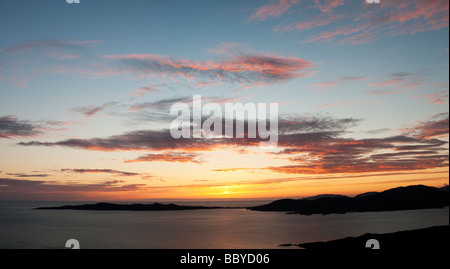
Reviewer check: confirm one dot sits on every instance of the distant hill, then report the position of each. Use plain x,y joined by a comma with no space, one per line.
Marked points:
127,207
366,194
324,196
402,198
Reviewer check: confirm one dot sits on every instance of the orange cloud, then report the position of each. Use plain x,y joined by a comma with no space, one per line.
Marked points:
437,98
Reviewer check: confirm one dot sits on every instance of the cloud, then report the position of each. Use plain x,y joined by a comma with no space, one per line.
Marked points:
416,148
179,157
323,85
135,141
303,128
144,90
166,104
249,69
25,60
328,5
103,171
437,98
161,104
230,169
237,66
274,9
28,47
390,82
37,190
320,20
352,160
314,144
394,18
12,127
395,83
435,127
389,18
90,111
378,131
231,49
348,103
23,175
315,124
150,89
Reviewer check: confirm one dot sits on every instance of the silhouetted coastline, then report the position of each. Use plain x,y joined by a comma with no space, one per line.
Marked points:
127,207
432,238
402,198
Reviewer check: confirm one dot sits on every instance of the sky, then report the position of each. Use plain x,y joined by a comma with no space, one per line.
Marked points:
86,90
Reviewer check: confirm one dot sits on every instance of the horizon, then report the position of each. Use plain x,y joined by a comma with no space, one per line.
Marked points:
212,200
86,90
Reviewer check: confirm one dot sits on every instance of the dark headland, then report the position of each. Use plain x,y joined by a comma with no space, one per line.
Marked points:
432,238
128,207
402,198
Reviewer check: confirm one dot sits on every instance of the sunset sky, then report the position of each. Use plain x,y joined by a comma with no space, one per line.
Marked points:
86,91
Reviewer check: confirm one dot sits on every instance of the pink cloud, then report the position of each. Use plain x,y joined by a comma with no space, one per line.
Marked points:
100,171
380,92
442,85
62,56
437,98
340,81
389,18
341,31
397,83
238,65
328,5
317,21
314,145
434,127
27,60
231,49
249,68
324,85
90,111
275,9
390,82
30,46
144,90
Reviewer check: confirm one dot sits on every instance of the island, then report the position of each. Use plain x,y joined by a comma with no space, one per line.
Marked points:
402,198
127,207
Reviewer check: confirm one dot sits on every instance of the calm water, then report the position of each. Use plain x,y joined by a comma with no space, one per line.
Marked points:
22,227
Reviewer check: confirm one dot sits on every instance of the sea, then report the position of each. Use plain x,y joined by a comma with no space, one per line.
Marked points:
22,227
